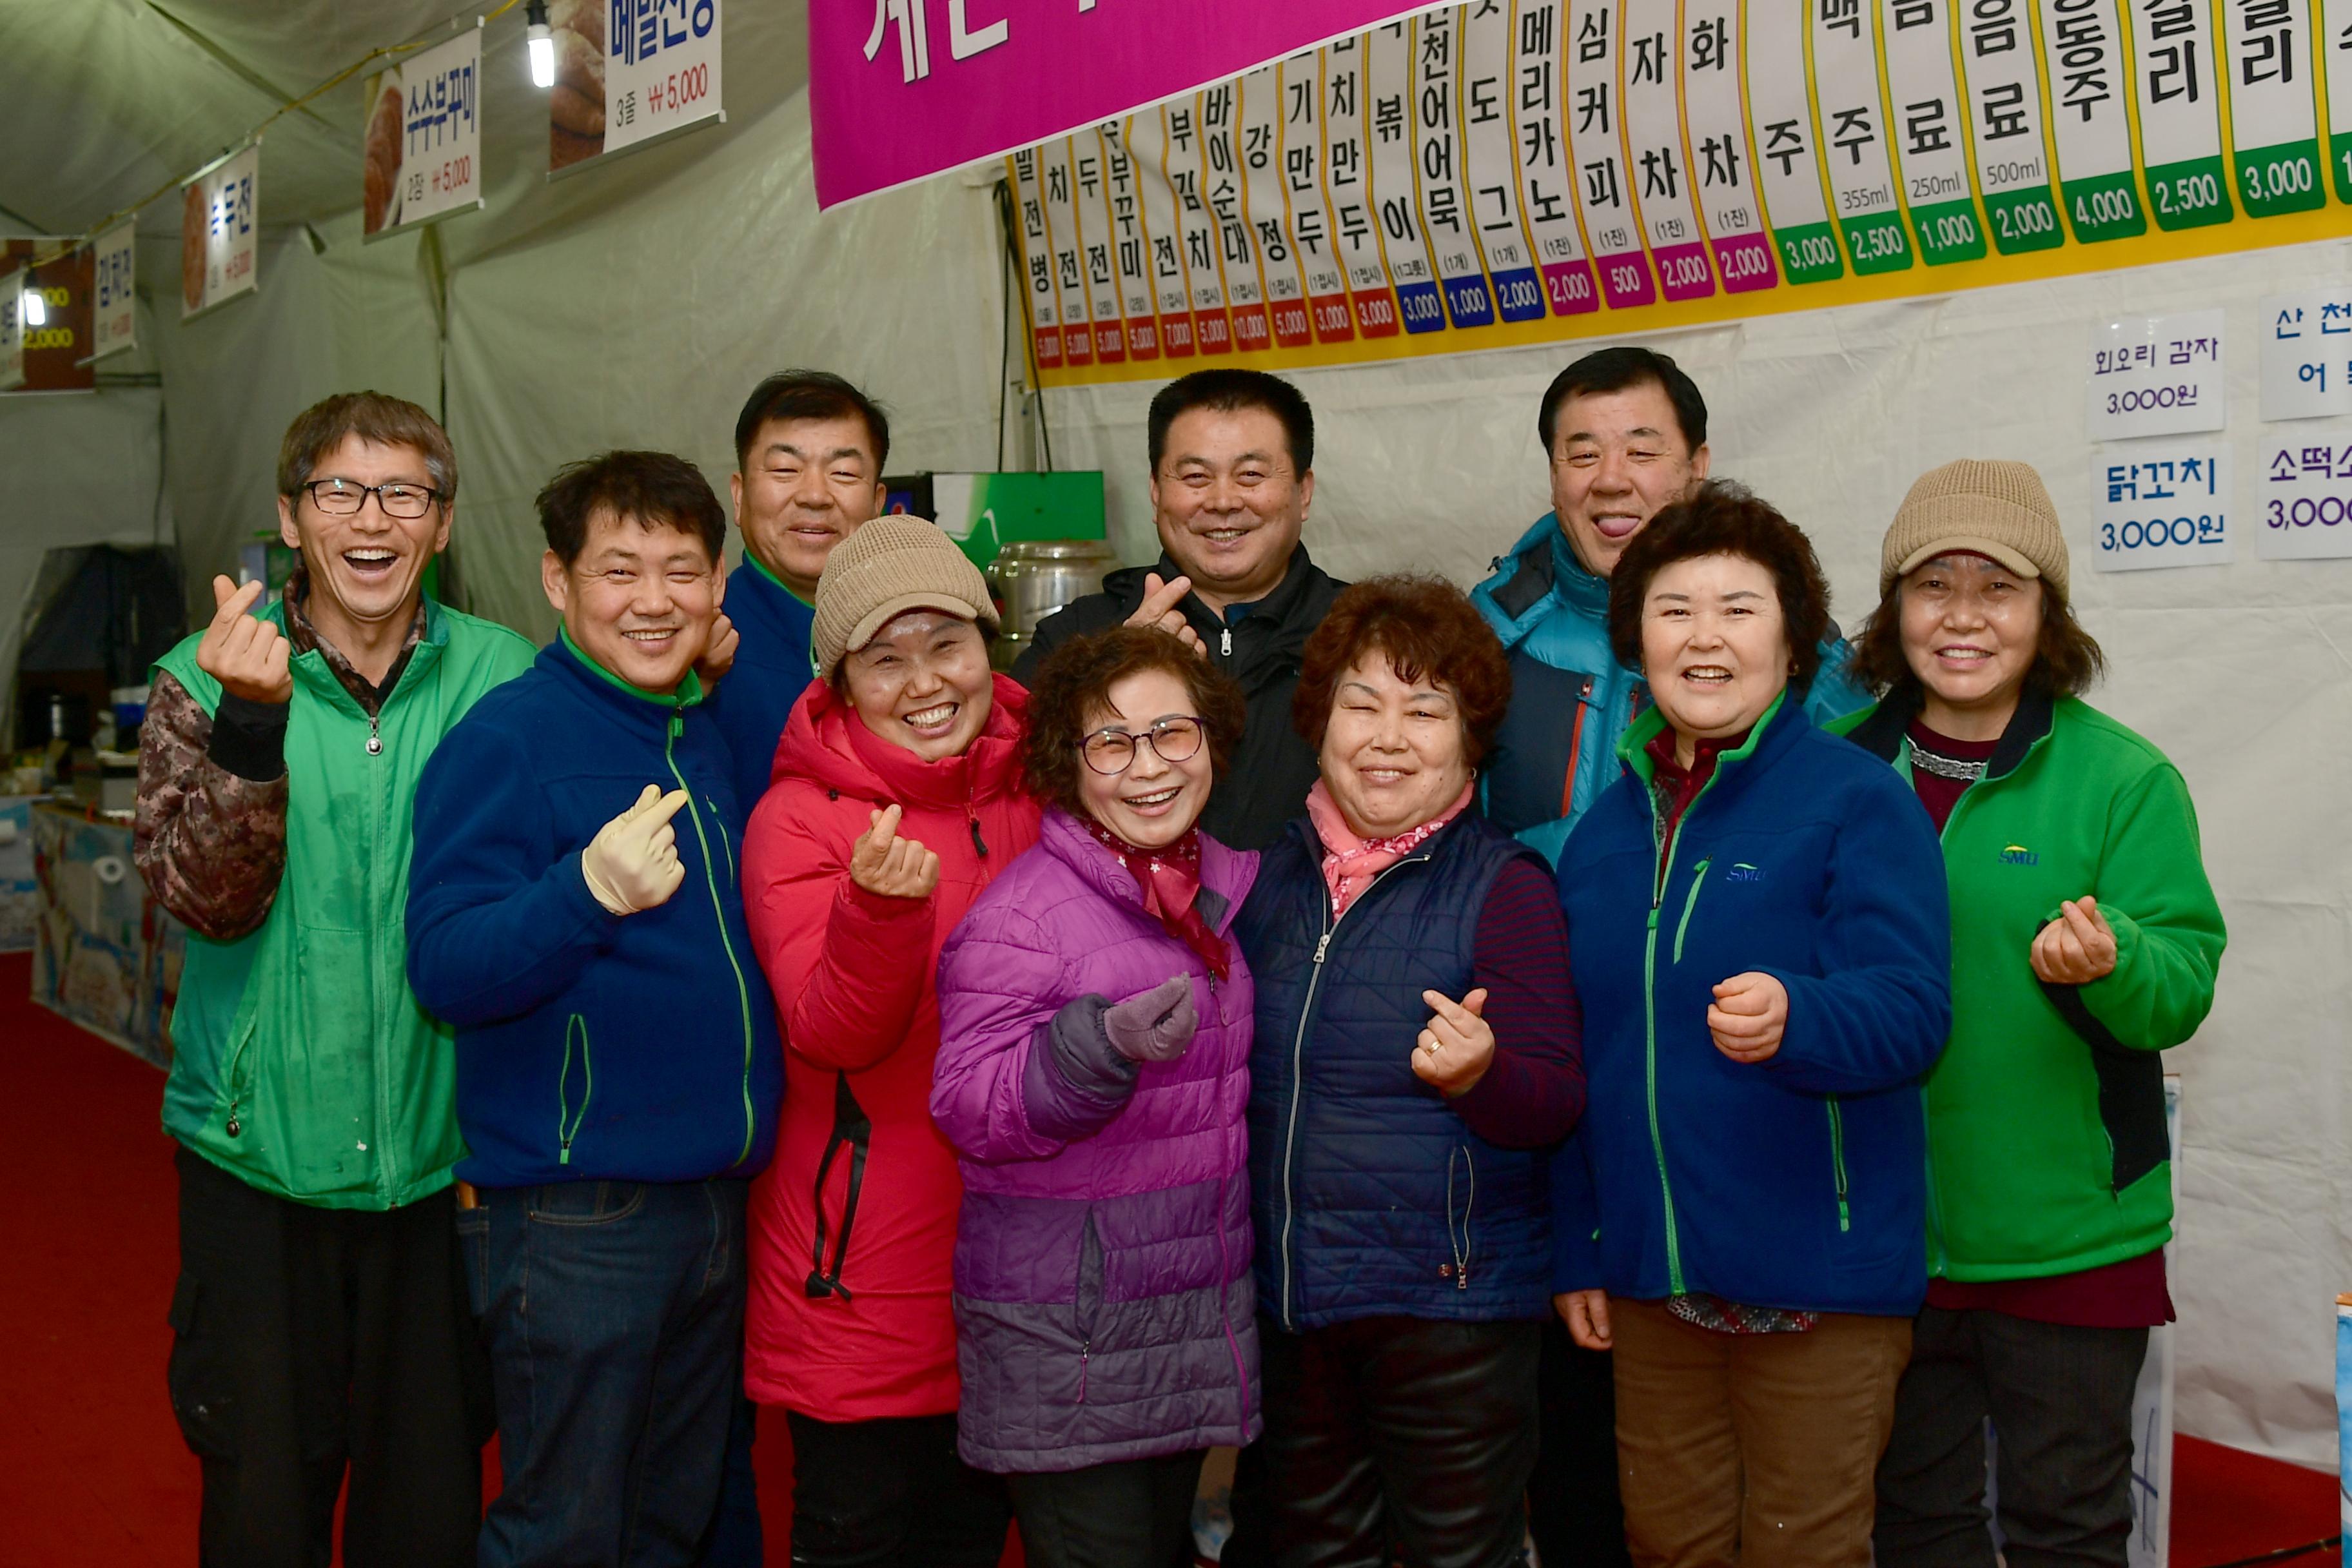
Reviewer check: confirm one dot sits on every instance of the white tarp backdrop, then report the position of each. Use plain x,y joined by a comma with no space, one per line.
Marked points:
636,305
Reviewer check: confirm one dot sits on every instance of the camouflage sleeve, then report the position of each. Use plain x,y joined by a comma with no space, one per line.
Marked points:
210,841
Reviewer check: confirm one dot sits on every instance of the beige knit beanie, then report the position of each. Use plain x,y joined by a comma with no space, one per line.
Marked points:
1989,506
891,565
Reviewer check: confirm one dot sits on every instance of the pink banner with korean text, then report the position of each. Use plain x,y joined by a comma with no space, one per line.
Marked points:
899,90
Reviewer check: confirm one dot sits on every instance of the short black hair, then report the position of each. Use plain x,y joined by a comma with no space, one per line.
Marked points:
653,489
1227,391
1614,370
809,394
1721,518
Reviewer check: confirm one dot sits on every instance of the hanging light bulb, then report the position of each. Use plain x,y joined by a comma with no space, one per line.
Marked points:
543,45
36,309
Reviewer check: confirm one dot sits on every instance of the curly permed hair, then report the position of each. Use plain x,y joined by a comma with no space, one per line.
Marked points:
1073,686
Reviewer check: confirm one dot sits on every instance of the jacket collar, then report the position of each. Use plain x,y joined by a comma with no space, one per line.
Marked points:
1886,732
1547,575
1773,734
632,702
818,745
753,576
1282,606
1222,869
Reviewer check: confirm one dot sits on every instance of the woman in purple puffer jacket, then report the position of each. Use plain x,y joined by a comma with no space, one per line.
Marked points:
1093,1072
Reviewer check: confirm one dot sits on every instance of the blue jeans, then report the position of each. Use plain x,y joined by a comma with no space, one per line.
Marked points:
613,1315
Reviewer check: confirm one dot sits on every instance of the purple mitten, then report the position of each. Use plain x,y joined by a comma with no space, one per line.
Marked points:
1155,1026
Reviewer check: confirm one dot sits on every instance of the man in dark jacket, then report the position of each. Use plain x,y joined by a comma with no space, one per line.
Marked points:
1232,455
575,911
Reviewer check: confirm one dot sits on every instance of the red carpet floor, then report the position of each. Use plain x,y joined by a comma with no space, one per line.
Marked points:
92,1470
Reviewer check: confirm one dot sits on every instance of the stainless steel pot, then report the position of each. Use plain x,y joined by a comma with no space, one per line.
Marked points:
1035,577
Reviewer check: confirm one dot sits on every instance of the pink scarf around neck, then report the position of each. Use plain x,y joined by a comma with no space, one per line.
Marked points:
1350,862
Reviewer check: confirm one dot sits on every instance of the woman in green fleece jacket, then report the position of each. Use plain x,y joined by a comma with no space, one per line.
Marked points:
2084,940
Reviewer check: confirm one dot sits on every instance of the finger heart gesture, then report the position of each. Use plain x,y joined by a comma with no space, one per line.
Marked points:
888,866
248,656
2077,948
1458,1046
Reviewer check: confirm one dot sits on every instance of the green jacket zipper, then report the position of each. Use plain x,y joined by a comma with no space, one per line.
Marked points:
1664,879
567,1120
677,727
1837,1163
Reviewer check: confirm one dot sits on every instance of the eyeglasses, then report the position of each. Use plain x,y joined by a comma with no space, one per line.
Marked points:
344,497
1172,739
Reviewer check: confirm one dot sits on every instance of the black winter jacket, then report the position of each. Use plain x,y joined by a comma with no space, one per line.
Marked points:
1273,768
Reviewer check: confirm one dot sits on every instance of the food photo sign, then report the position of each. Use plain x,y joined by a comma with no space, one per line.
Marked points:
629,73
219,232
421,156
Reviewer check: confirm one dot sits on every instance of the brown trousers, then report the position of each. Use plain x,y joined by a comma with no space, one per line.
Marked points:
1754,1450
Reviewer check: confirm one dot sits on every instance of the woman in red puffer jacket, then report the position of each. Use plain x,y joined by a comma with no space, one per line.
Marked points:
895,799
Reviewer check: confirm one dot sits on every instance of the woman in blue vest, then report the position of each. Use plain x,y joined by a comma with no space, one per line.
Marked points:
1762,938
1416,1053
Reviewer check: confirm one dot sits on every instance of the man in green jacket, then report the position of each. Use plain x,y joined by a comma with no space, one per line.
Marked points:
320,1316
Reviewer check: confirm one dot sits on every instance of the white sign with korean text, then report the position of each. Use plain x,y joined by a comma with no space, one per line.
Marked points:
661,68
2162,503
113,311
421,157
2155,375
2307,354
2303,501
12,330
220,232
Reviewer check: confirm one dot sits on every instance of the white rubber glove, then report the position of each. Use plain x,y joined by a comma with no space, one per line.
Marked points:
631,863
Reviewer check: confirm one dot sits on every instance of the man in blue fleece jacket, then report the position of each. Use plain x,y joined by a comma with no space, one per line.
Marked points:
575,911
809,450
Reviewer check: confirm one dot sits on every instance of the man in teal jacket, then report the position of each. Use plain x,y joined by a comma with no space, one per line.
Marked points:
1624,431
321,1317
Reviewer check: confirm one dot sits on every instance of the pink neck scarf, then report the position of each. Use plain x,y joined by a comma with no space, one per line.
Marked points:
1349,863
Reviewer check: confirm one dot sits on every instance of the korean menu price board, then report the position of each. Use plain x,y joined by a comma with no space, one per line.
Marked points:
1504,173
56,349
629,73
220,232
11,331
421,154
2303,501
114,308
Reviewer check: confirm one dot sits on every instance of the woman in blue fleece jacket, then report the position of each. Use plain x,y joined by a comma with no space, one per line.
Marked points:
1762,948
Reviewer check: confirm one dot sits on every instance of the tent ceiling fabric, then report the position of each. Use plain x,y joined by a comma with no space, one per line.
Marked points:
147,101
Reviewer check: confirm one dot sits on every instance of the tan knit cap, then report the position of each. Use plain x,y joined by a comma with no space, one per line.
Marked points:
891,565
1986,505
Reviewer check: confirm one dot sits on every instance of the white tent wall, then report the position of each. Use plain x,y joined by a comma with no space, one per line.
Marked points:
331,315
2240,673
645,323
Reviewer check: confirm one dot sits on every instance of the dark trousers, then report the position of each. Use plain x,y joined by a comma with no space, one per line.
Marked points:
891,1494
2060,1399
1399,1436
310,1341
1137,1513
613,1314
735,1539
1574,1511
